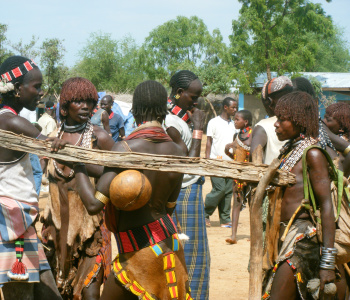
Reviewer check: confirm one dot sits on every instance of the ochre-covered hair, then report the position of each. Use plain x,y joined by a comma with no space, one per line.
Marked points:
150,98
340,111
77,88
301,109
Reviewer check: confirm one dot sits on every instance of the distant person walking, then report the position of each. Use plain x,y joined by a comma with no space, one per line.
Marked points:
220,132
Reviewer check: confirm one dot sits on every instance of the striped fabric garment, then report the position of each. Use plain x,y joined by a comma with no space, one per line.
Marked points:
33,257
15,218
190,212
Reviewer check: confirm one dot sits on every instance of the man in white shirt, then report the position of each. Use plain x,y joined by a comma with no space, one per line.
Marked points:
220,132
47,120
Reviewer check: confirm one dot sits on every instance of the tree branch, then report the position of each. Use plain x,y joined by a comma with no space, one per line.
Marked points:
166,163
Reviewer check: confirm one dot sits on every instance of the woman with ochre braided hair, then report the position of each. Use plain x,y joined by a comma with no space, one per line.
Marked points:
82,250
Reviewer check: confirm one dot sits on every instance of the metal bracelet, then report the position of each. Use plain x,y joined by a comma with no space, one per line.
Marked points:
329,250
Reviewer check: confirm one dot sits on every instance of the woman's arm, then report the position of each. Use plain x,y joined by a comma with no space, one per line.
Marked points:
319,177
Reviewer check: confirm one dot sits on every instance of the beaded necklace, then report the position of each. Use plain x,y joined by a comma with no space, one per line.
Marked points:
178,111
11,109
242,131
84,141
292,152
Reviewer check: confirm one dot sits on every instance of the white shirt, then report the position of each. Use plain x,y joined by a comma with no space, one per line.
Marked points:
47,123
222,132
273,145
28,114
186,135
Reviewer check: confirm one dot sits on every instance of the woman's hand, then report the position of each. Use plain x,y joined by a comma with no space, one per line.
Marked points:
57,144
228,147
326,276
197,118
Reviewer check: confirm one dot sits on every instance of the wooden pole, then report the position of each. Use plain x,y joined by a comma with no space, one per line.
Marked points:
189,165
256,230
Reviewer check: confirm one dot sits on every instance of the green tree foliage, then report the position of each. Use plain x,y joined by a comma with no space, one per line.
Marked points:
51,63
27,50
274,35
4,53
185,43
112,65
332,53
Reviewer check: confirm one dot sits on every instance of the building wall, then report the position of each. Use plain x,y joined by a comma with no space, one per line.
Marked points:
255,106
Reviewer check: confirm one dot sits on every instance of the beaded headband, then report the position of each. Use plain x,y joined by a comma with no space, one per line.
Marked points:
19,71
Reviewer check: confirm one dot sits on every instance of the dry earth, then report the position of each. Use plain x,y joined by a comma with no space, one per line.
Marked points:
228,272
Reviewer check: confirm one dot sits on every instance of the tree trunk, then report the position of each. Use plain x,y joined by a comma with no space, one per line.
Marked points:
268,72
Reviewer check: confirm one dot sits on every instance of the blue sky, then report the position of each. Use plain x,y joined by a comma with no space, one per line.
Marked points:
74,20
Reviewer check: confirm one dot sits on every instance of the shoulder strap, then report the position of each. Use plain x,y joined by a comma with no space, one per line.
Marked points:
336,177
126,146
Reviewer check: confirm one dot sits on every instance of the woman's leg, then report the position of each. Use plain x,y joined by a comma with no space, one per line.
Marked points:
93,291
114,290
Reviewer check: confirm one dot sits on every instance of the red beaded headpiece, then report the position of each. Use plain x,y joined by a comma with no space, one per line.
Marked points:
19,71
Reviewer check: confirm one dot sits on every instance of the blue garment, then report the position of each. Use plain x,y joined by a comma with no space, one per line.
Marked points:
37,172
190,212
129,124
117,110
115,123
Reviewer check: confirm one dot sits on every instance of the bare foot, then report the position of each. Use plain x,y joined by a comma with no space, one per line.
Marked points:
231,241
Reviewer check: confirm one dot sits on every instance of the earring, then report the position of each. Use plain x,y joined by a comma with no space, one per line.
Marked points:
17,95
177,96
302,136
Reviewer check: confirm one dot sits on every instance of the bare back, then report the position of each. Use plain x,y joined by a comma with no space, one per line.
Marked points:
165,185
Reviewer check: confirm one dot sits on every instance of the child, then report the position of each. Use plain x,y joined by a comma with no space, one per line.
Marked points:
241,145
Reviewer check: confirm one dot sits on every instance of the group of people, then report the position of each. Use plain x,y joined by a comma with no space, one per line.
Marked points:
79,218
153,262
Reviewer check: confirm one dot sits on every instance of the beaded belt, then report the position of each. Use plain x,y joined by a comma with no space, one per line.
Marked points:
146,235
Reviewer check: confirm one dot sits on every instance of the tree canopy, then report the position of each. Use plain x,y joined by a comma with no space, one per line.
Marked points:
269,35
186,43
274,35
51,58
110,64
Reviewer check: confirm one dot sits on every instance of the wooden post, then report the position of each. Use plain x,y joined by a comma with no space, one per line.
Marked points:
256,230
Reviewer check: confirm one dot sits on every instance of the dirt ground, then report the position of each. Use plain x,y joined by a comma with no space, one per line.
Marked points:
229,277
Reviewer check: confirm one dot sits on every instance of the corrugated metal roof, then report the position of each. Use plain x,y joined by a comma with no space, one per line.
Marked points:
328,79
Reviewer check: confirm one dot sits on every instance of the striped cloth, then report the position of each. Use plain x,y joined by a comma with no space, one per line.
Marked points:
33,257
15,218
190,212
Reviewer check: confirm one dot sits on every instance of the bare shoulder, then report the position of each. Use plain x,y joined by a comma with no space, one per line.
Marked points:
18,125
316,159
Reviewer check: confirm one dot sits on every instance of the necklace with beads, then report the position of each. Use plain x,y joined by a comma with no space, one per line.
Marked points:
292,152
244,130
84,141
